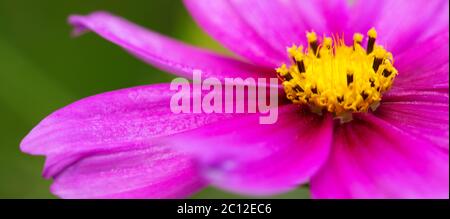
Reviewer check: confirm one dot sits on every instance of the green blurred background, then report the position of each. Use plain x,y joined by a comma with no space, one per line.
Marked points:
43,69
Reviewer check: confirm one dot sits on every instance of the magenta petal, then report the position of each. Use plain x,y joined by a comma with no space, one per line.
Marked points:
142,173
161,51
335,12
425,66
373,159
226,25
400,95
243,156
423,119
418,102
267,27
400,23
109,123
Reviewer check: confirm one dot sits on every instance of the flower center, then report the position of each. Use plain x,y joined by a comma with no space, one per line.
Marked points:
338,78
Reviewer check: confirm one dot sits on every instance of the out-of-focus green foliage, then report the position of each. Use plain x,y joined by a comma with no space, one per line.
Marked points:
42,69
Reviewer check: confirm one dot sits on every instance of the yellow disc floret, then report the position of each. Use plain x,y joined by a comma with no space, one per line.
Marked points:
338,78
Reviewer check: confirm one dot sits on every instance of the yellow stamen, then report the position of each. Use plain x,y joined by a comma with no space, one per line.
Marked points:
357,40
372,33
371,42
312,40
338,78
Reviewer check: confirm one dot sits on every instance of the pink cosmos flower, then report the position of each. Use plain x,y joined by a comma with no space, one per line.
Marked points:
128,144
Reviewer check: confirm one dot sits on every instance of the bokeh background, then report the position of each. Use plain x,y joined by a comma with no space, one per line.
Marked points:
43,69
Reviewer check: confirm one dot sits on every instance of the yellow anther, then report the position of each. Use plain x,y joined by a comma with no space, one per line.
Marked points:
311,36
295,52
380,52
283,70
357,38
313,45
292,50
339,78
372,33
327,42
299,55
